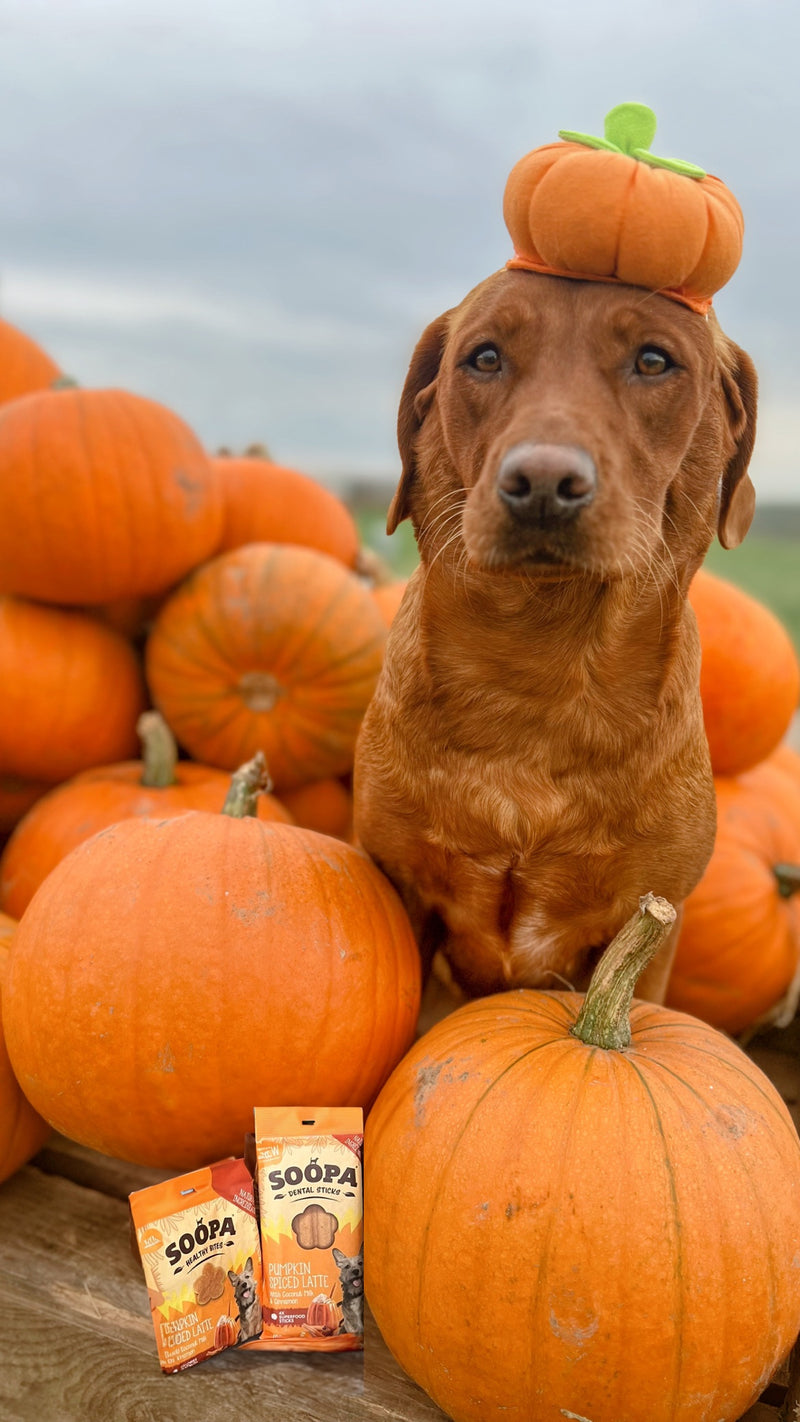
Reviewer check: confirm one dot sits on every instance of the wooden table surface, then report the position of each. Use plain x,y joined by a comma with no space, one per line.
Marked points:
78,1343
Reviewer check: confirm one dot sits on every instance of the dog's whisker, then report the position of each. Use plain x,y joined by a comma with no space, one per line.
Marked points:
447,544
455,496
443,522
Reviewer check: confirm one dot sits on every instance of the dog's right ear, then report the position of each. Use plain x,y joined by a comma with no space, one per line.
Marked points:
737,495
415,401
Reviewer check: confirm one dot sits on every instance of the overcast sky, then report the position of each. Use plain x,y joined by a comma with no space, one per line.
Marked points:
249,209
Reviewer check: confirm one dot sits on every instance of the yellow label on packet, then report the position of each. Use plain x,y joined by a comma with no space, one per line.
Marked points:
309,1176
198,1240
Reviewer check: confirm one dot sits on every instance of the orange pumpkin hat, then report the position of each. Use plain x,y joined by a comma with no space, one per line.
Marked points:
607,209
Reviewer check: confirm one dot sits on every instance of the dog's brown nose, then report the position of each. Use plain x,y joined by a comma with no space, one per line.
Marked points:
542,482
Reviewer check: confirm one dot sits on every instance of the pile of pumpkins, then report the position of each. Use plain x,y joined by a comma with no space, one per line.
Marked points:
739,947
555,1161
160,985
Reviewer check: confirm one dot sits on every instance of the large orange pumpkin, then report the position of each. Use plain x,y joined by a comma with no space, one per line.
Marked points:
273,648
739,947
266,503
779,778
169,974
24,366
105,495
609,209
787,760
22,1130
562,1221
16,798
389,597
324,805
159,786
749,677
72,692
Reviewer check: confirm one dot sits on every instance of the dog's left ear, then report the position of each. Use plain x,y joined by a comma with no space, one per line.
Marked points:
737,495
415,402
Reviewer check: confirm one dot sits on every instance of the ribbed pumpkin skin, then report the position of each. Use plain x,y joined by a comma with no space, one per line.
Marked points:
740,941
605,214
167,975
552,1229
267,503
268,648
778,779
72,692
105,495
22,1130
16,798
24,366
787,761
389,598
749,677
96,799
324,805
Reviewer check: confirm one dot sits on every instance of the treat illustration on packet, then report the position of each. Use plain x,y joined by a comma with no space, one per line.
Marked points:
198,1240
309,1177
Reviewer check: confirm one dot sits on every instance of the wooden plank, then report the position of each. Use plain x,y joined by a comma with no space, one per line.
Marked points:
73,1300
117,1178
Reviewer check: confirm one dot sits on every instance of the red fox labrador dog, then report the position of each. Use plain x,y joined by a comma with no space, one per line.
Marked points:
534,757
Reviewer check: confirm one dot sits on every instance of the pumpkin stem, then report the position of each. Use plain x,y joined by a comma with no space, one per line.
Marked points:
604,1019
788,877
630,129
247,783
64,382
630,126
159,751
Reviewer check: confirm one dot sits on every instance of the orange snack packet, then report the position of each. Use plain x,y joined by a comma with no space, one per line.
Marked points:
197,1236
309,1177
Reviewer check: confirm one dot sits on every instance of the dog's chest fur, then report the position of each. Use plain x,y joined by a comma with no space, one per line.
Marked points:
499,809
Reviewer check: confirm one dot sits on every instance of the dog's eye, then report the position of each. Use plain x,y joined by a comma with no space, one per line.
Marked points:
486,359
650,360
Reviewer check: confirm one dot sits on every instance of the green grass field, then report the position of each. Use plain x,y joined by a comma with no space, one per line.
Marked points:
766,565
769,569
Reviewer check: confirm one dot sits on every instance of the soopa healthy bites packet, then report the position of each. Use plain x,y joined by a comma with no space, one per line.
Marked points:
310,1202
197,1237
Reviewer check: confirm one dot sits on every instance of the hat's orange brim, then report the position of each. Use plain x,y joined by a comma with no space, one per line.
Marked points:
700,304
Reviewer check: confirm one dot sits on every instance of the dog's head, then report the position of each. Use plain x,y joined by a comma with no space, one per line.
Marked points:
244,1287
554,427
351,1272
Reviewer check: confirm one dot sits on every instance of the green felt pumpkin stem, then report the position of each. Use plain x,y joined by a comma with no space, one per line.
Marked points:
247,783
159,751
630,126
630,129
604,1019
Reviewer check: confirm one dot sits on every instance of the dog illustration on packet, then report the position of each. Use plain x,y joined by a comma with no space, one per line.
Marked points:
198,1240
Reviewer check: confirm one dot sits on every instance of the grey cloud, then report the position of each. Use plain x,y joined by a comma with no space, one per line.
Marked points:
295,188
